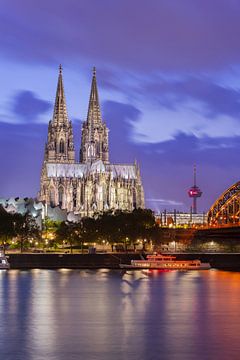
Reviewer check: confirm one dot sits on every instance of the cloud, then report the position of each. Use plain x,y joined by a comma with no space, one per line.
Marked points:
120,118
166,167
215,99
27,107
159,60
186,36
159,56
162,124
190,105
21,156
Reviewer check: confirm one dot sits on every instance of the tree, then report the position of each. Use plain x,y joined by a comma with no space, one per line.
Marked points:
106,227
49,230
70,231
113,227
6,226
25,227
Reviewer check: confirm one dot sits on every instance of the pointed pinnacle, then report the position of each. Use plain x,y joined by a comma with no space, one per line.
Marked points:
60,111
94,114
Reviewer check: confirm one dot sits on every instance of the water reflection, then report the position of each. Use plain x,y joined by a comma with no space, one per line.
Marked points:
103,314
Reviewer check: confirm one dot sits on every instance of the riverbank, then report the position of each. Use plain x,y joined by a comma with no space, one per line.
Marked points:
70,261
111,261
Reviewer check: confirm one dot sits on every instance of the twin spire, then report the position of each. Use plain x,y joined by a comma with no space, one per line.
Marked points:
94,113
94,136
60,115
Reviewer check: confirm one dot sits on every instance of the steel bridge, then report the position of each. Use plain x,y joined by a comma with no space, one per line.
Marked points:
226,209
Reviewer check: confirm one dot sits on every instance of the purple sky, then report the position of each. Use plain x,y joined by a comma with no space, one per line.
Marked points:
169,82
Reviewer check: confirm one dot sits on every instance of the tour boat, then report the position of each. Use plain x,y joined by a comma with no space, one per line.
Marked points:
161,262
4,264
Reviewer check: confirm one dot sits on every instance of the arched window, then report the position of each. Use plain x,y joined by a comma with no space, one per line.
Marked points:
134,198
98,146
61,147
60,196
82,194
74,197
52,197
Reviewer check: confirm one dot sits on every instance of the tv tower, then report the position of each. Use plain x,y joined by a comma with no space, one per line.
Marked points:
194,192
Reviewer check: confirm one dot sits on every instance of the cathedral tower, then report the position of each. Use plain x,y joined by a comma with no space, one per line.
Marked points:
60,146
94,144
92,185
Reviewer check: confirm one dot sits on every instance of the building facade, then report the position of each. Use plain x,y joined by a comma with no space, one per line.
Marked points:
93,184
176,218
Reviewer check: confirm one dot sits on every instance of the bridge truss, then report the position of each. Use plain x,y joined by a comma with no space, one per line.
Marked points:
226,209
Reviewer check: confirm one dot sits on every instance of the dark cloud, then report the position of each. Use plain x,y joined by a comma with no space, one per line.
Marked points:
118,117
137,40
21,155
166,167
158,34
110,79
188,149
215,99
27,106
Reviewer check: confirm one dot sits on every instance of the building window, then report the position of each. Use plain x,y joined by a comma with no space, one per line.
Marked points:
134,198
74,197
60,196
61,147
52,197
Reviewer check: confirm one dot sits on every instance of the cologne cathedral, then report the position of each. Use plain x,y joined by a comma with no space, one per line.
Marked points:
93,184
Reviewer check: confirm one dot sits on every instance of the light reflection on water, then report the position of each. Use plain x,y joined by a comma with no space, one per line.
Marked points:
103,314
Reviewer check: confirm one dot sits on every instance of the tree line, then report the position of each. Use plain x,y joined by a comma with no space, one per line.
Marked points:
114,228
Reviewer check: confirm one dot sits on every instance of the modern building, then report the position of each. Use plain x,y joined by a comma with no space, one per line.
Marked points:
91,184
176,218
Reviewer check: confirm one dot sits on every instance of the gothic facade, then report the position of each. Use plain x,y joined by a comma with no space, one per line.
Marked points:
92,184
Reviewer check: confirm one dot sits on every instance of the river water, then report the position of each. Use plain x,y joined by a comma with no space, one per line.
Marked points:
105,314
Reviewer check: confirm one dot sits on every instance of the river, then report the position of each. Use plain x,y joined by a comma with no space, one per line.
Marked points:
105,314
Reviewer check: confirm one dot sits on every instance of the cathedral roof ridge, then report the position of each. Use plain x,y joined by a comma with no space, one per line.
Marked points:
128,164
97,166
79,170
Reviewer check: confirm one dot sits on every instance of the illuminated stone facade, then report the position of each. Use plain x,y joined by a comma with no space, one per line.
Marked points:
93,184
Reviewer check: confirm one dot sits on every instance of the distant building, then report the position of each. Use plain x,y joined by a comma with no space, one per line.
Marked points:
22,206
37,209
92,184
180,219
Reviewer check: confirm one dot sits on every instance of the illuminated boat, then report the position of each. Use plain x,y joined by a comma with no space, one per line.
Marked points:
4,264
161,262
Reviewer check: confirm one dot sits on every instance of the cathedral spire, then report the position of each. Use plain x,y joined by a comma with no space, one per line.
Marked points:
94,113
94,144
60,109
60,146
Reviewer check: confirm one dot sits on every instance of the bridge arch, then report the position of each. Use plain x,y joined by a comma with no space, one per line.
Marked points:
226,209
